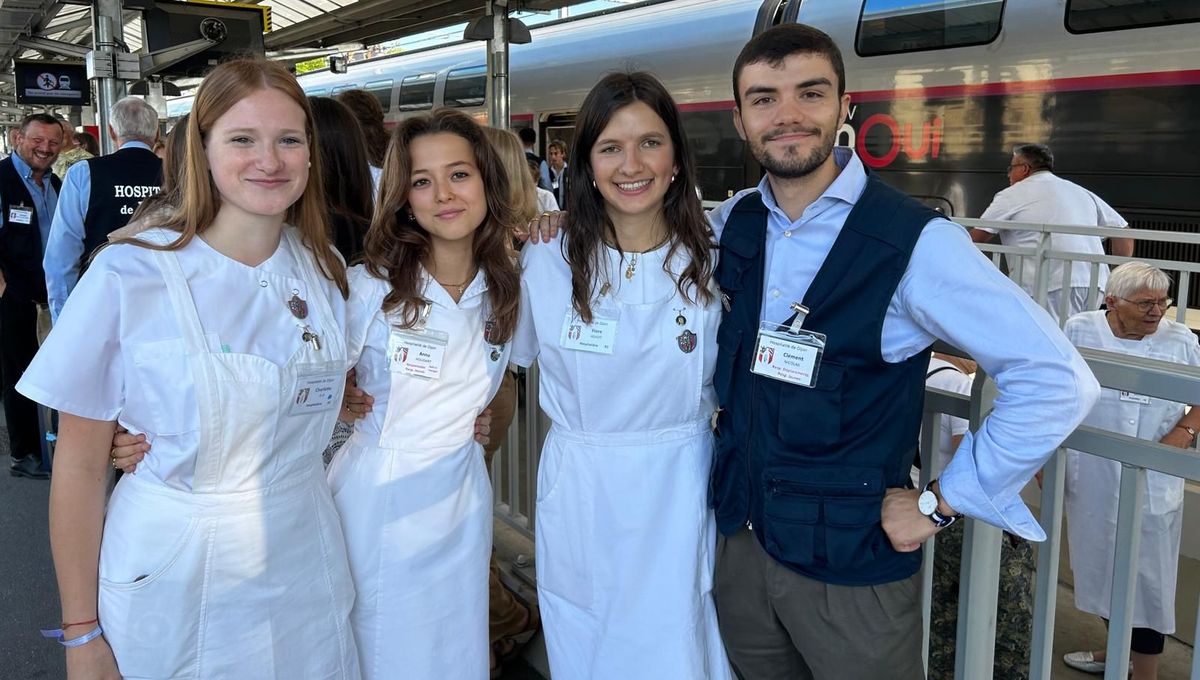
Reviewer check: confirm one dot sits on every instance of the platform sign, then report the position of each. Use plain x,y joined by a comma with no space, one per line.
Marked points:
266,11
52,83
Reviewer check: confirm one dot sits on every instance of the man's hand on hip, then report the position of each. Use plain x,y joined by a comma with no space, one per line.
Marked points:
903,522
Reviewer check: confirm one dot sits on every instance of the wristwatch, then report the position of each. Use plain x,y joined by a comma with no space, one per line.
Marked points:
927,503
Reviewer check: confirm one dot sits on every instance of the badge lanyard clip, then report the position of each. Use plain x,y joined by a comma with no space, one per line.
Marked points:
792,354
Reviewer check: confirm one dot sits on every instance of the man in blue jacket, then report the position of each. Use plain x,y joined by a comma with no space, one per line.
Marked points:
835,287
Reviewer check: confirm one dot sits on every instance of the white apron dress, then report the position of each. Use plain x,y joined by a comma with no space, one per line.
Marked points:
238,571
1093,483
414,494
625,538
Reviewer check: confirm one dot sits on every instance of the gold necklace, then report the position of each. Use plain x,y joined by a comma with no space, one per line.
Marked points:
631,268
461,287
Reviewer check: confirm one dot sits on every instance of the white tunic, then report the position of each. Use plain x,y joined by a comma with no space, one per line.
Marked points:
625,537
1045,198
413,493
222,556
1093,483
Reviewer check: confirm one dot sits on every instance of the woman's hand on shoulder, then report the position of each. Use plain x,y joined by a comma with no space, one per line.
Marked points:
545,227
93,661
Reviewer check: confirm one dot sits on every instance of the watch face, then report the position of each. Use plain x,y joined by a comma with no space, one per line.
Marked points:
927,503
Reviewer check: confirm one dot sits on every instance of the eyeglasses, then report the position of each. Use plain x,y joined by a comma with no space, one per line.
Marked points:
1014,166
1147,305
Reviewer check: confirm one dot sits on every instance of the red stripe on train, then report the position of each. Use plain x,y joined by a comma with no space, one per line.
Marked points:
1109,82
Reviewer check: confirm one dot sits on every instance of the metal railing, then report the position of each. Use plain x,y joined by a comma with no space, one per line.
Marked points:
1044,255
982,542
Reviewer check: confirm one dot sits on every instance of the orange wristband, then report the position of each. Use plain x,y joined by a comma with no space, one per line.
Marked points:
66,625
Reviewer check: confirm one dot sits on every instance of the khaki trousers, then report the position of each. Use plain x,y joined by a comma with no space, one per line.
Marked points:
778,624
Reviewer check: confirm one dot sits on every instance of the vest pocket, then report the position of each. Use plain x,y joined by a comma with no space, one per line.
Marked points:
824,514
791,527
811,417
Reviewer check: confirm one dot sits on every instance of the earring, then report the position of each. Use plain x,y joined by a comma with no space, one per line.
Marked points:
673,177
310,164
411,216
594,185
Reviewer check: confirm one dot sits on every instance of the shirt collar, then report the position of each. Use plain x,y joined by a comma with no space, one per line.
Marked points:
847,187
136,145
22,167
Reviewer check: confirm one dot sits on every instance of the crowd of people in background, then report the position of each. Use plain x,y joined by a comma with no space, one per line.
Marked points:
281,275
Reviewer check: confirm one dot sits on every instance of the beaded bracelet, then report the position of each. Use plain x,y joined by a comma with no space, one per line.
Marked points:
57,636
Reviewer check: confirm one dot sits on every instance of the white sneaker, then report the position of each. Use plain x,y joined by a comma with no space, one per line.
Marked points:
1083,661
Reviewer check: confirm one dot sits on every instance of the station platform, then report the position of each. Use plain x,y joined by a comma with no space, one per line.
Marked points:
28,598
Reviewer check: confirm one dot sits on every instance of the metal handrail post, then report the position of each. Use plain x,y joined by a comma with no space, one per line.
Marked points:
1129,537
1041,655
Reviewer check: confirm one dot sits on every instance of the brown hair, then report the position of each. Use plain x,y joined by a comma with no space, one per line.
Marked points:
588,224
369,112
198,198
522,190
397,245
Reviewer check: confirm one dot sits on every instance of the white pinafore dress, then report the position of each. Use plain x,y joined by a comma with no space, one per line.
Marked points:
625,537
413,492
255,582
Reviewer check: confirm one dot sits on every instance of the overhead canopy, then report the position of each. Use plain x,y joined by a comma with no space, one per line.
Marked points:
301,29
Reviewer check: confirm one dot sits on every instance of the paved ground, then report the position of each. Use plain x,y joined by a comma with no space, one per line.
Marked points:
28,600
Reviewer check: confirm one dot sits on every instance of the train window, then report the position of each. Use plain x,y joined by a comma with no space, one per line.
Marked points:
1089,16
381,90
416,92
466,87
317,92
894,26
344,88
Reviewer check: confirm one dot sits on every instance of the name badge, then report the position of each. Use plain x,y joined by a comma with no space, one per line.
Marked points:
1134,398
599,336
792,357
417,352
317,393
20,215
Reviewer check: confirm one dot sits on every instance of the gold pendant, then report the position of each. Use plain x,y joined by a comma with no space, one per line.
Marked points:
632,268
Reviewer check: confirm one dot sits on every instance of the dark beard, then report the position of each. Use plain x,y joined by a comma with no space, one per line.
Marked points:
792,167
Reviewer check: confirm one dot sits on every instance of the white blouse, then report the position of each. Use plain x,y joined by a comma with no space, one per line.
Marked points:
117,352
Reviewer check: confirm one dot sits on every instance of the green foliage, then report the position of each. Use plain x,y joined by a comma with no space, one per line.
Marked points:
311,65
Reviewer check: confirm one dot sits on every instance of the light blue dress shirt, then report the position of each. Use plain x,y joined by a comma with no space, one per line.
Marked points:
64,246
44,198
949,291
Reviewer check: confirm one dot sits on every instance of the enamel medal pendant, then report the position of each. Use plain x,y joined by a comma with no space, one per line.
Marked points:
299,309
297,306
686,341
489,336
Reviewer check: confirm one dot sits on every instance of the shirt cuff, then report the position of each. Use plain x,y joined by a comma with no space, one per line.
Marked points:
961,489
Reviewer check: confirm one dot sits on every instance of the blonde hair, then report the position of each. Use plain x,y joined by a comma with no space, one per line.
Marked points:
198,197
523,191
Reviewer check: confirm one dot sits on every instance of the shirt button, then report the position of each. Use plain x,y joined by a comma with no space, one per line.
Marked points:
775,293
263,283
1132,421
788,233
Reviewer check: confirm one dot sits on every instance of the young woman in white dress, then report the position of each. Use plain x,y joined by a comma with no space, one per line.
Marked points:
621,317
220,336
432,314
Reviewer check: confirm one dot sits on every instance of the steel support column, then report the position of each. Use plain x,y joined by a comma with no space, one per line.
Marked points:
107,31
497,65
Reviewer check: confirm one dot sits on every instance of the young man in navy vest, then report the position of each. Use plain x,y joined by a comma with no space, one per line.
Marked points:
835,286
28,194
100,194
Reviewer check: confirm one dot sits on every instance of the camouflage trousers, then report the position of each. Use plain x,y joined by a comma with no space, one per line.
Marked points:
1014,613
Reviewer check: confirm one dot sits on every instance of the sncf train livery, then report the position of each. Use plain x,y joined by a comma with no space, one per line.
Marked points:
941,90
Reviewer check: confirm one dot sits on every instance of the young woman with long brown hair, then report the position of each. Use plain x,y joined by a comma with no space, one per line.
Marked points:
622,318
434,308
220,336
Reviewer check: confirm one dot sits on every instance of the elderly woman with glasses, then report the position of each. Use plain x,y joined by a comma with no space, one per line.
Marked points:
1132,324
